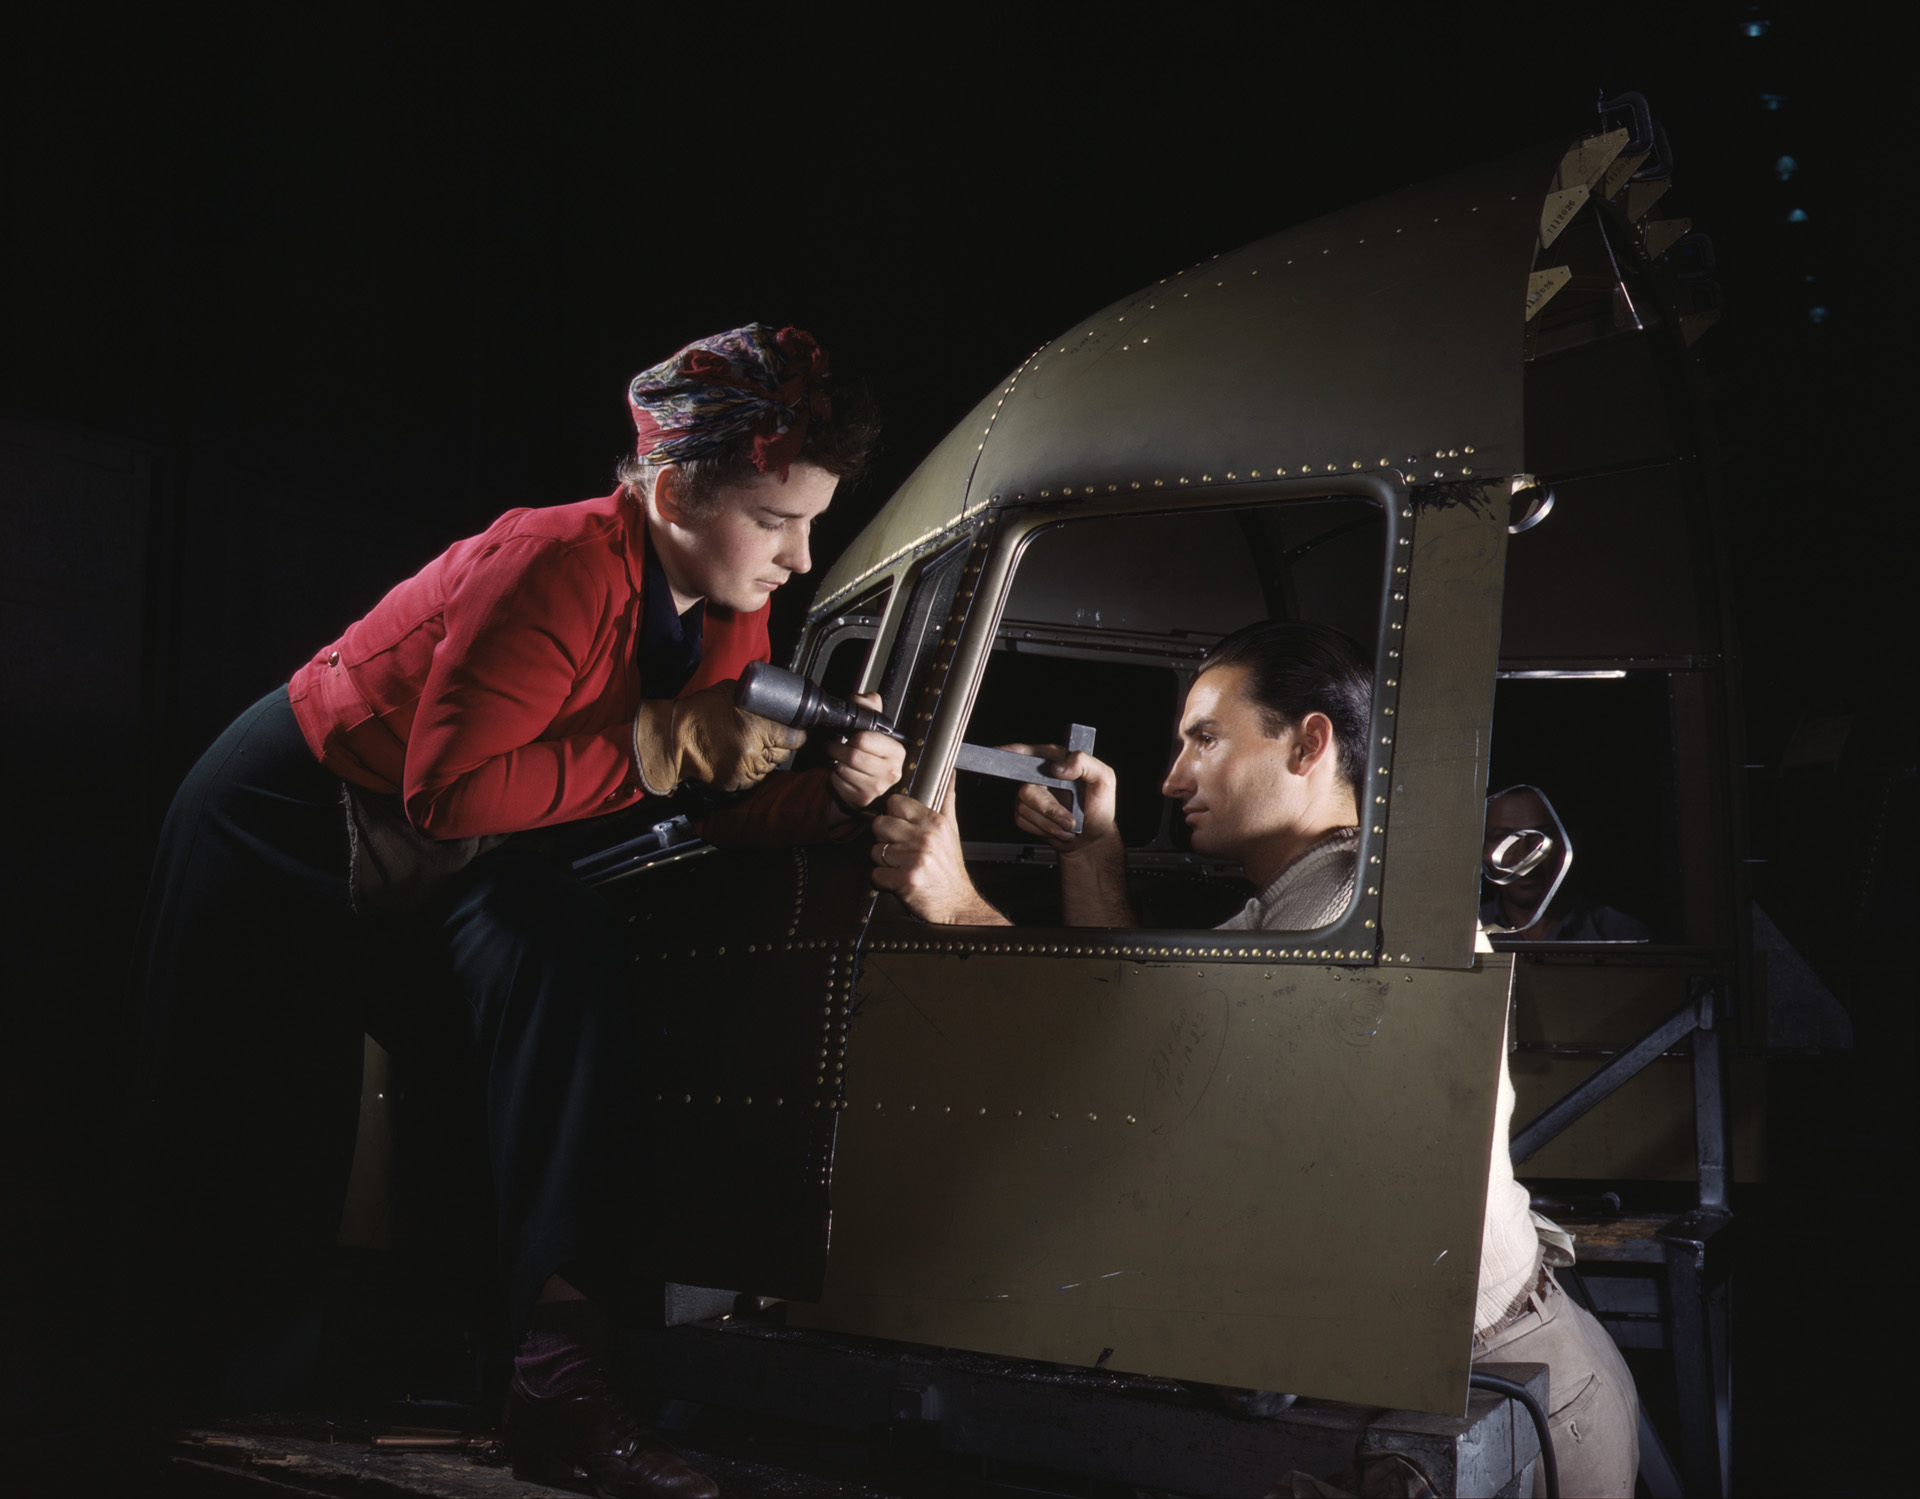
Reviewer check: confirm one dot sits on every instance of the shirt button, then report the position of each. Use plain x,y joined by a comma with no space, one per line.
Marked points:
333,658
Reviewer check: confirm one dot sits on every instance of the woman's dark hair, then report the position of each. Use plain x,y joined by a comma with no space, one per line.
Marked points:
1294,669
841,445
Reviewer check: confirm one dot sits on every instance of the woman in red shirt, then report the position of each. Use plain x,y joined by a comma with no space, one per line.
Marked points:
566,663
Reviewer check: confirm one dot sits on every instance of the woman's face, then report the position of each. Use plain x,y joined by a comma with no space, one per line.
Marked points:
748,541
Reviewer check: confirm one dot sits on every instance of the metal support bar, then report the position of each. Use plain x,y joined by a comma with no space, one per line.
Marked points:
1697,1305
1709,1099
1657,1471
1606,1080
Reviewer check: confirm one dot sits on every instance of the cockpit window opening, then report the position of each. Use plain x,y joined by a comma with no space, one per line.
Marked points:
1106,623
840,648
838,655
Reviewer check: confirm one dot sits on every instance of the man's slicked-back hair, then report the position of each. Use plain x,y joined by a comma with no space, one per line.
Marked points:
1294,669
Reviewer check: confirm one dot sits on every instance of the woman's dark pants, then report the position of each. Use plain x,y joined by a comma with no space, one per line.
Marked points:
254,981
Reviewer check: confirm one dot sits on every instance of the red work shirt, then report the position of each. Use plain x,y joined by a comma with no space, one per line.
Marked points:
495,689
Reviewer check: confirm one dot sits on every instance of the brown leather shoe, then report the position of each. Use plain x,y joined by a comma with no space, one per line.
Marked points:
587,1440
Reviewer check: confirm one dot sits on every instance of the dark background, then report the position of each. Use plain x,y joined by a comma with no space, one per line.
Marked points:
294,298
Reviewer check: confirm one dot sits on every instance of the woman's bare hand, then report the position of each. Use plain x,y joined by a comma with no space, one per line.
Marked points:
865,765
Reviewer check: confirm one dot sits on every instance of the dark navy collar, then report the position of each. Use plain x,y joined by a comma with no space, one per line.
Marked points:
669,642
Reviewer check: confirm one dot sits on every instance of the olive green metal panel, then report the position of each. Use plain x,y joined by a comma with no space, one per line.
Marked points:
1248,1174
933,498
1437,807
1383,336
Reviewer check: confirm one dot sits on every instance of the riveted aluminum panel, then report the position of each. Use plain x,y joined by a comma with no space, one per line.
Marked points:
742,975
933,498
1269,1177
1384,337
1376,337
1437,807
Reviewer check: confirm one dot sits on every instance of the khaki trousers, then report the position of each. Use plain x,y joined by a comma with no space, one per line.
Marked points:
1593,1412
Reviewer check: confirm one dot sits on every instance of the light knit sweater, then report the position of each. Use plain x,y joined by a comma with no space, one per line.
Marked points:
1314,890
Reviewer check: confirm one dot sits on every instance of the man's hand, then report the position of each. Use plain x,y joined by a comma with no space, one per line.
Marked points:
865,766
1037,809
916,856
1093,862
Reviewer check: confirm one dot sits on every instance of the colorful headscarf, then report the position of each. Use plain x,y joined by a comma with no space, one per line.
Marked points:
751,381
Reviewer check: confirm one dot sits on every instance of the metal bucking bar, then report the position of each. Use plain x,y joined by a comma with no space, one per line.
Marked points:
1008,766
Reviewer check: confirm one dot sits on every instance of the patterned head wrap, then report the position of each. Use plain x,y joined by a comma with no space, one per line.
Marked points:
752,382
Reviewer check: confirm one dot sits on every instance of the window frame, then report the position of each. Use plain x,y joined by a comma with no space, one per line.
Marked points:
1355,937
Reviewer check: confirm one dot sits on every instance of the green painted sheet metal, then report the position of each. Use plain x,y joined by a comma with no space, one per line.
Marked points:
1385,336
1269,1177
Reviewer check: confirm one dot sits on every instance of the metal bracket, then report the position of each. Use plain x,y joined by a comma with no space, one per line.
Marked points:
1008,766
1604,1082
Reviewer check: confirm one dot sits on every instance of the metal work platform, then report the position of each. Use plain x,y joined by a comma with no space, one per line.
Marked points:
1068,1427
1665,1283
301,1459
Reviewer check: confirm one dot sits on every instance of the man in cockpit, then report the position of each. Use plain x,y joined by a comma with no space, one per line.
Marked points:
1273,750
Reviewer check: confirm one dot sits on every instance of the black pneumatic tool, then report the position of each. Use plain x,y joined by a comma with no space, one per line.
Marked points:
789,699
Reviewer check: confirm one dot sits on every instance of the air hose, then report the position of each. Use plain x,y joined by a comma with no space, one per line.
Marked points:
1520,1392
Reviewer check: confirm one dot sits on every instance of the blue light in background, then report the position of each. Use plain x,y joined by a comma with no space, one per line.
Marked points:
1785,167
1772,101
1816,314
1798,216
1756,27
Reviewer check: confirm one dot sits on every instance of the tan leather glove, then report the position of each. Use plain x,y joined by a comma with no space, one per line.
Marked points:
705,738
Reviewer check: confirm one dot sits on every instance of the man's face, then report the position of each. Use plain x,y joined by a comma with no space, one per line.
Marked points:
1516,812
753,537
1230,778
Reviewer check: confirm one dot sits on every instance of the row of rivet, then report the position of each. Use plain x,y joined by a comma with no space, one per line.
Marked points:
745,1102
799,890
804,944
927,541
1325,250
1281,472
949,641
946,1108
1117,950
841,1103
1389,685
1151,306
1066,950
832,1095
987,431
835,1015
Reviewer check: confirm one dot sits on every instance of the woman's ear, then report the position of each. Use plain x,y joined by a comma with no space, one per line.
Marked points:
665,499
